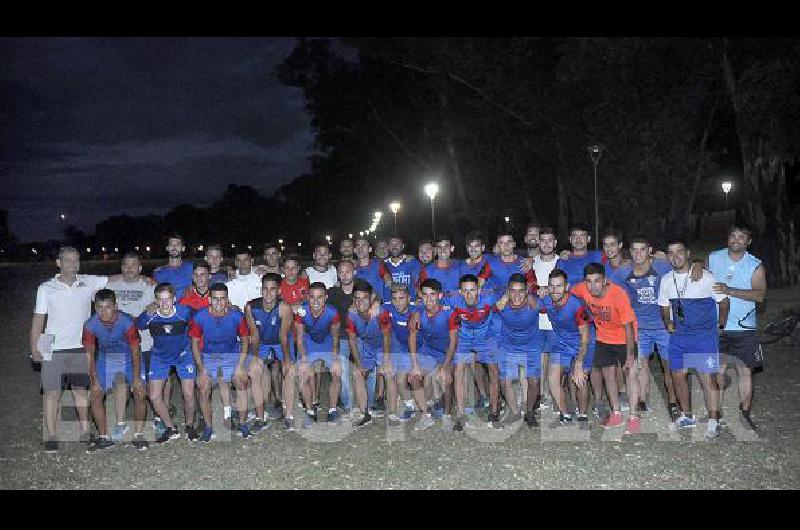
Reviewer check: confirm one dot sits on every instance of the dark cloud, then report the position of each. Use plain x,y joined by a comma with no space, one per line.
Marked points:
119,123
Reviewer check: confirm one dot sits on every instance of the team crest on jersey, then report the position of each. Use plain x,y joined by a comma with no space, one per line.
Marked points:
190,369
168,328
273,321
651,280
258,322
301,311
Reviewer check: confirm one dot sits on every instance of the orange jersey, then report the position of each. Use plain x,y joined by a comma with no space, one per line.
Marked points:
609,313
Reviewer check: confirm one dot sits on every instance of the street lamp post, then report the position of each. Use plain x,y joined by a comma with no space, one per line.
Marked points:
395,207
726,188
595,152
431,190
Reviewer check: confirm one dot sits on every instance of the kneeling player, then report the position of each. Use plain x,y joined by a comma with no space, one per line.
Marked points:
113,335
214,331
169,326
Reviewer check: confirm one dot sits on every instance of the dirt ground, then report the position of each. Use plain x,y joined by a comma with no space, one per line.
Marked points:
383,457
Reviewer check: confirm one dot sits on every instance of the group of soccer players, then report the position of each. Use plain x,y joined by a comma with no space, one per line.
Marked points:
424,338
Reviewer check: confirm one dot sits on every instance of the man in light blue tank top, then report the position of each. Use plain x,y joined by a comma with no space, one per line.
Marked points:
740,275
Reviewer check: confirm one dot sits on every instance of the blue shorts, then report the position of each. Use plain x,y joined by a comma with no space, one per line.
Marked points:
512,358
107,372
700,352
549,341
274,352
565,360
160,367
212,363
427,363
401,361
484,352
649,339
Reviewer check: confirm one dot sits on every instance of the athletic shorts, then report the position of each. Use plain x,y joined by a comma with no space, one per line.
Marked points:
160,367
510,359
107,373
484,352
67,367
742,345
427,363
401,361
549,342
214,362
650,339
700,352
606,355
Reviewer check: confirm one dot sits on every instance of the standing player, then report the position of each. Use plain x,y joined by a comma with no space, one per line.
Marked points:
740,276
572,346
436,329
641,281
316,330
293,288
580,255
519,344
341,298
169,326
272,259
112,334
543,265
615,322
500,268
197,295
368,269
401,269
394,319
444,270
531,240
176,271
425,252
614,260
346,249
246,283
322,270
381,249
214,258
215,331
690,314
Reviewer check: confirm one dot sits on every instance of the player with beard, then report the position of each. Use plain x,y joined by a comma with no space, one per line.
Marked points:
500,268
272,260
347,249
543,265
381,249
176,271
531,240
322,270
370,270
425,252
444,270
400,269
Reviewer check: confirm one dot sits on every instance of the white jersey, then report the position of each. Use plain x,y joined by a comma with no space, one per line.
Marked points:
543,270
329,277
133,298
243,288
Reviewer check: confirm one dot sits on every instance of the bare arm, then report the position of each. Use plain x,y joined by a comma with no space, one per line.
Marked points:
667,318
413,323
351,338
758,292
198,358
286,325
299,329
336,334
451,346
724,309
37,326
251,324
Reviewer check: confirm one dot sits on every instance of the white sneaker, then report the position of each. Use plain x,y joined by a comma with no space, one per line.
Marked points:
424,422
447,422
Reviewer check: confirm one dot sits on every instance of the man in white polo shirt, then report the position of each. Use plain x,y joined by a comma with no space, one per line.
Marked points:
65,301
322,270
543,264
246,284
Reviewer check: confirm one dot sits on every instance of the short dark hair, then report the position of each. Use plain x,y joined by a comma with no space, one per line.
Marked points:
639,239
612,232
467,278
504,232
742,227
131,255
105,294
362,286
214,246
424,242
533,223
395,236
578,227
243,252
558,273
677,241
318,244
291,257
318,285
445,237
431,283
548,230
65,249
345,262
271,244
398,287
271,277
176,236
202,265
218,286
518,277
161,287
594,268
475,235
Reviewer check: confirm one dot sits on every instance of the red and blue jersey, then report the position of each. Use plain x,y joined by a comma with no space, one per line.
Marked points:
447,276
574,265
566,321
397,322
219,334
268,323
476,321
373,273
194,300
170,334
479,269
115,339
405,272
519,329
180,277
435,331
368,330
497,272
317,329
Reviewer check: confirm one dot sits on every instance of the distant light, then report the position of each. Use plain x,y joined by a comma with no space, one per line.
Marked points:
32,250
116,249
507,218
350,236
147,249
103,249
88,249
233,245
395,206
727,186
366,232
62,216
200,248
280,241
299,244
378,215
283,248
361,233
431,190
249,247
137,248
328,238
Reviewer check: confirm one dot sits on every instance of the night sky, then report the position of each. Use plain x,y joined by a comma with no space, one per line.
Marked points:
93,127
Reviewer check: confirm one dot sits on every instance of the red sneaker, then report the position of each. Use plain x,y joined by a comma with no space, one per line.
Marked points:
613,420
634,425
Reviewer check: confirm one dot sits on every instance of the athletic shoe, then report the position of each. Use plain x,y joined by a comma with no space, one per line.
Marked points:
674,411
379,410
641,407
747,420
258,426
407,415
438,410
51,446
612,420
393,420
235,415
120,430
563,420
458,425
170,434
583,422
159,426
208,434
251,415
634,425
333,416
366,420
530,419
308,420
596,412
545,403
494,421
191,433
424,422
99,445
139,443
685,422
511,418
447,422
288,424
244,431
481,403
714,429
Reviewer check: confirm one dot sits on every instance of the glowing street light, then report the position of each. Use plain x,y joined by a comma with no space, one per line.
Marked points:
147,249
378,215
62,216
89,250
361,233
349,236
726,188
431,189
280,241
328,239
299,244
508,219
395,207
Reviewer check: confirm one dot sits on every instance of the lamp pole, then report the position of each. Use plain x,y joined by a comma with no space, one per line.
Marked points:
395,206
726,188
595,152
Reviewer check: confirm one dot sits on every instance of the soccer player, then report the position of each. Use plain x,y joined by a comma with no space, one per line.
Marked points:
500,268
519,343
614,260
346,249
615,323
214,258
571,352
246,283
112,335
293,288
316,331
425,252
133,294
394,319
740,275
341,297
476,344
168,324
214,331
642,280
381,249
196,296
369,269
400,269
436,329
322,270
580,255
690,314
268,319
531,240
272,259
543,265
176,271
444,270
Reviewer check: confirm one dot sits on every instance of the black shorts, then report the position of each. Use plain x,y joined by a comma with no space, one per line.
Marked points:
742,345
606,355
67,367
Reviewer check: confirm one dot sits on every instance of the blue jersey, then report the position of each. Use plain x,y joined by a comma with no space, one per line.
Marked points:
497,273
643,292
170,334
220,334
447,276
574,265
737,275
180,277
368,330
397,322
616,275
476,269
114,339
566,321
405,272
267,322
372,273
476,321
694,304
218,277
317,335
435,331
519,329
